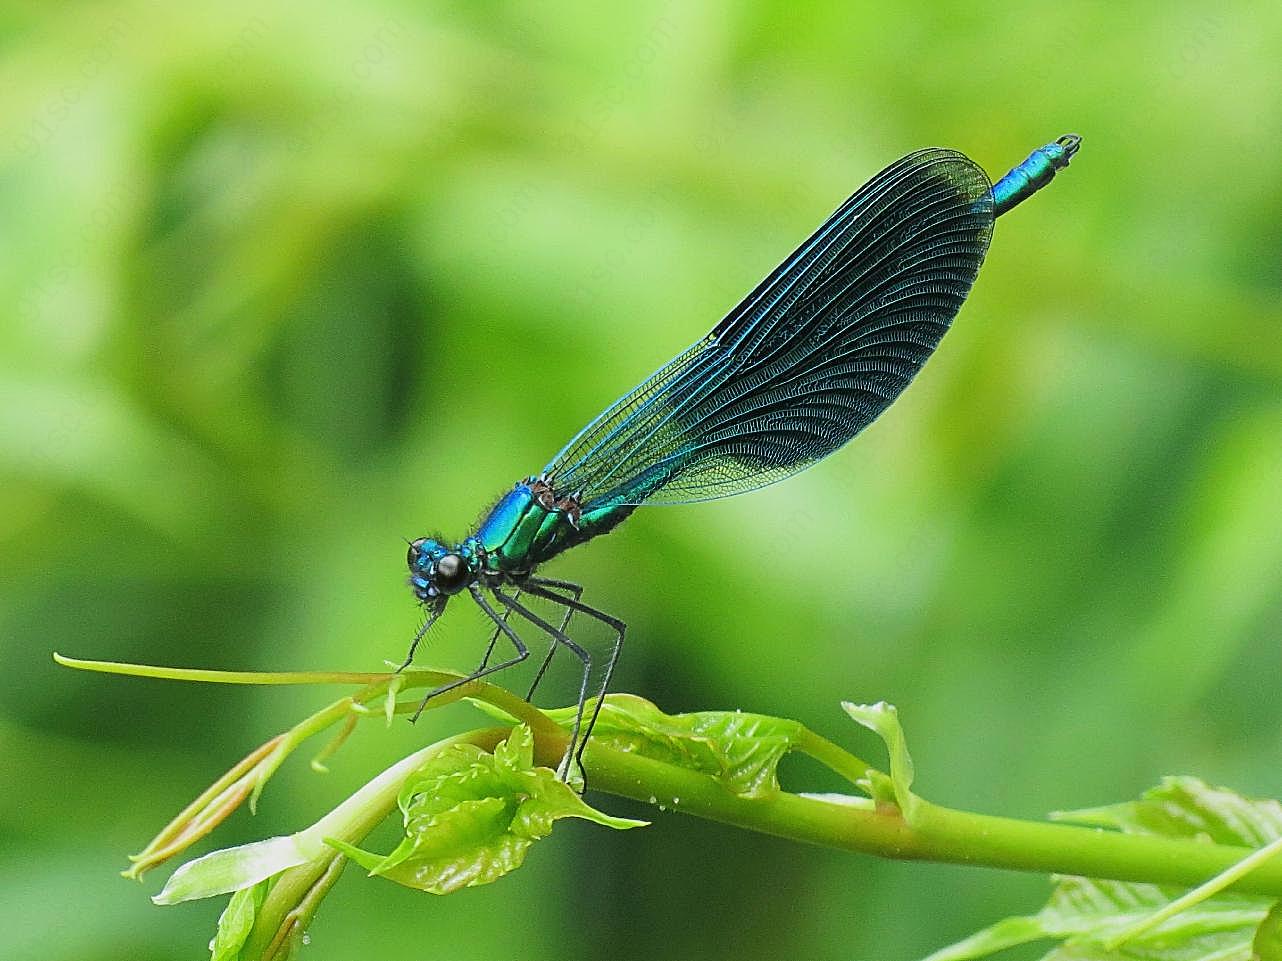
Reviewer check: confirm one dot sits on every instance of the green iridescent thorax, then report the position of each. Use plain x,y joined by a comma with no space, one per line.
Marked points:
524,529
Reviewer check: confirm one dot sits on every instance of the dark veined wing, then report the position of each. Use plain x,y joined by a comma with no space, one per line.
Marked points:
809,358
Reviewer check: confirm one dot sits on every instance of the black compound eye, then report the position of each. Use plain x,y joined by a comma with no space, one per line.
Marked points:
411,556
451,573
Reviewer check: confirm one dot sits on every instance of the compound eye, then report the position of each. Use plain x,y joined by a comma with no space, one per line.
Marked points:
416,548
451,573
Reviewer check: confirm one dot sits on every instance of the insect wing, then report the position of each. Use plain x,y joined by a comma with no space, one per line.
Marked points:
809,358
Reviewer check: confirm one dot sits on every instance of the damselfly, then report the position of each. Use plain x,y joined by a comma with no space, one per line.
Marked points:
808,359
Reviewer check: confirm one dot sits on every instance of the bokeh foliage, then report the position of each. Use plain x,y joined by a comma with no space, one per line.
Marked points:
283,283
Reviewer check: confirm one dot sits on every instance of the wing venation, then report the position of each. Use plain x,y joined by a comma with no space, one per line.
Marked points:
809,358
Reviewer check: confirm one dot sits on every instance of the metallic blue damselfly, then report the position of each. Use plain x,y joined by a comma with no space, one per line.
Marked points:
809,358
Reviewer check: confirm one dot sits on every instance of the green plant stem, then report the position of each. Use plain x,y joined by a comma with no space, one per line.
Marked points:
223,677
376,685
935,834
835,758
198,819
1220,882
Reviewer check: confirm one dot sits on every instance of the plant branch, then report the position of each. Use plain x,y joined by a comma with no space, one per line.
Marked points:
936,833
833,757
931,833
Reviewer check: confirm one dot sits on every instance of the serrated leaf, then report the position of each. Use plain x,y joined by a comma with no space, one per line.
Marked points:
517,752
471,817
882,719
466,867
467,825
741,750
1086,914
236,921
1189,808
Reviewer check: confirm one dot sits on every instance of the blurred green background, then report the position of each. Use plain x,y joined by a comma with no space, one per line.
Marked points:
284,283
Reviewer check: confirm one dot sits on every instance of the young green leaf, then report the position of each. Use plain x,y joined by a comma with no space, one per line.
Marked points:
1186,807
1267,944
471,817
232,869
742,750
236,921
1087,916
883,719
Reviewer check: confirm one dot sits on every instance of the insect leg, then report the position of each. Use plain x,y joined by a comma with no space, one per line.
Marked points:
571,754
577,591
538,588
494,638
431,619
522,652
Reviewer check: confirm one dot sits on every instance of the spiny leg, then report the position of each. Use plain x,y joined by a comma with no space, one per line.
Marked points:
577,591
571,754
522,652
409,658
539,588
494,638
